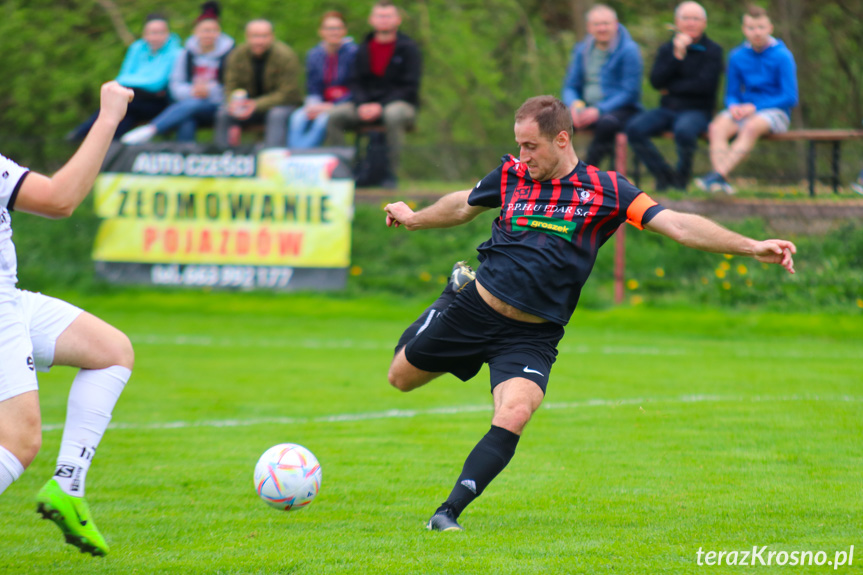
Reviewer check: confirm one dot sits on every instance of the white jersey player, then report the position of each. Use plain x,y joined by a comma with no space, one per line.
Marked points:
37,331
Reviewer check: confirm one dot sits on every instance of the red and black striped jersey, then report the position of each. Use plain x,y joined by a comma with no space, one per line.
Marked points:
544,242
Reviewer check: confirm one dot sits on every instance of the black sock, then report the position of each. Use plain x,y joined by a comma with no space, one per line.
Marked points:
487,459
441,303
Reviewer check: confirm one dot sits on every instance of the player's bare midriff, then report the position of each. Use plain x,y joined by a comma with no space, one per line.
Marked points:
505,309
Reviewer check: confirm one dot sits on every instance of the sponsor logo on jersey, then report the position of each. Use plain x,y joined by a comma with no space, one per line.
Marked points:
6,175
30,363
549,209
561,228
521,193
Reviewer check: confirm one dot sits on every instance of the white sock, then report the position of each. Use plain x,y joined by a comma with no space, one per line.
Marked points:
91,401
10,468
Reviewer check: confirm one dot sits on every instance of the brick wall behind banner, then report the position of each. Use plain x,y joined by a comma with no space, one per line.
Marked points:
179,214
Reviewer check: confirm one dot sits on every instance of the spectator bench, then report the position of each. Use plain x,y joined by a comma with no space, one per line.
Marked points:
814,137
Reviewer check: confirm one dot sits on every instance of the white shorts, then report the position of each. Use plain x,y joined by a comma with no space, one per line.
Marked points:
778,119
30,324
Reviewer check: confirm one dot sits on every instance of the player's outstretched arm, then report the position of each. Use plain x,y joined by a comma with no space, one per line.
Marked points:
59,195
451,210
700,233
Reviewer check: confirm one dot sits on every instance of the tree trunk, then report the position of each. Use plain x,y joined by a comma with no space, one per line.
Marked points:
578,9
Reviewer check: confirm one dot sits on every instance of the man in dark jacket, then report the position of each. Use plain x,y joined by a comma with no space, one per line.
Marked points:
262,85
384,85
686,72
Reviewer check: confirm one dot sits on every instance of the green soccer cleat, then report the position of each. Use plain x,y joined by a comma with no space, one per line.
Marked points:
72,516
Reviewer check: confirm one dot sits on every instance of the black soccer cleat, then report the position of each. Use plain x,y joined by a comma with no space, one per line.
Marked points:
443,521
462,274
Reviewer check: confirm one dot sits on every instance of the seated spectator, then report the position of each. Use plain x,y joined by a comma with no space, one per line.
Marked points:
761,90
262,86
686,72
384,85
146,70
196,82
327,68
602,87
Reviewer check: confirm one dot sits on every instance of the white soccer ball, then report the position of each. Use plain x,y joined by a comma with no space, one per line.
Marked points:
287,476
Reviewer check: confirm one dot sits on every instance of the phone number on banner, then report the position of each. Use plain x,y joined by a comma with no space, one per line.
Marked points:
221,275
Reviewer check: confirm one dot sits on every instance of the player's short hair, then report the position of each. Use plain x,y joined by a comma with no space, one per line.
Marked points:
754,11
550,114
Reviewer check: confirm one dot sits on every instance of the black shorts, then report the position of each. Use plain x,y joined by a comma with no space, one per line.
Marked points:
469,333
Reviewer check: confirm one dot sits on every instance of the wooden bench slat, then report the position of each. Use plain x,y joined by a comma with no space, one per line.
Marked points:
813,136
799,135
818,135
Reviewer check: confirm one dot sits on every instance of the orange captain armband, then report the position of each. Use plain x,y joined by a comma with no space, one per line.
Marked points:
635,211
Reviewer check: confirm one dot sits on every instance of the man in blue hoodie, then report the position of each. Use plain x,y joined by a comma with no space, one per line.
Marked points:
603,84
760,92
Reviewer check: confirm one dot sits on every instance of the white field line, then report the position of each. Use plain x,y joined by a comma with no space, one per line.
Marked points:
454,410
696,349
360,344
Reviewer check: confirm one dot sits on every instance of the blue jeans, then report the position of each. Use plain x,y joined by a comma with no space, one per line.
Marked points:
143,108
687,126
185,116
275,121
605,130
305,133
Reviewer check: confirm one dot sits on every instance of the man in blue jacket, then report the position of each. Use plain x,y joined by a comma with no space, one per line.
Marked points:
760,92
328,66
603,84
686,72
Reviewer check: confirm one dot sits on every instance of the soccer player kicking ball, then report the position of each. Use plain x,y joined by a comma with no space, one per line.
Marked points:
555,213
37,331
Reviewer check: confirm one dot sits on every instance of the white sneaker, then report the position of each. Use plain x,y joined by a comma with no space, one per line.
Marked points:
139,135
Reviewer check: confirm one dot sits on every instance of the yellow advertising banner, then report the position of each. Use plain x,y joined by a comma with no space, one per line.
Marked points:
173,208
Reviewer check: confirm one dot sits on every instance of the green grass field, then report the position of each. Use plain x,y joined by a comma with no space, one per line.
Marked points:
664,431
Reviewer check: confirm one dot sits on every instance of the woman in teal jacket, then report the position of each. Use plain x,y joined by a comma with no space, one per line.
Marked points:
146,69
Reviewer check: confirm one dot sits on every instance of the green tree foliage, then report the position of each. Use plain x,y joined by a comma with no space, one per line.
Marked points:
482,59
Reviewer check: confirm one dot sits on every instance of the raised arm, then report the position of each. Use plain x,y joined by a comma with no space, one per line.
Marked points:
451,210
700,233
59,195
